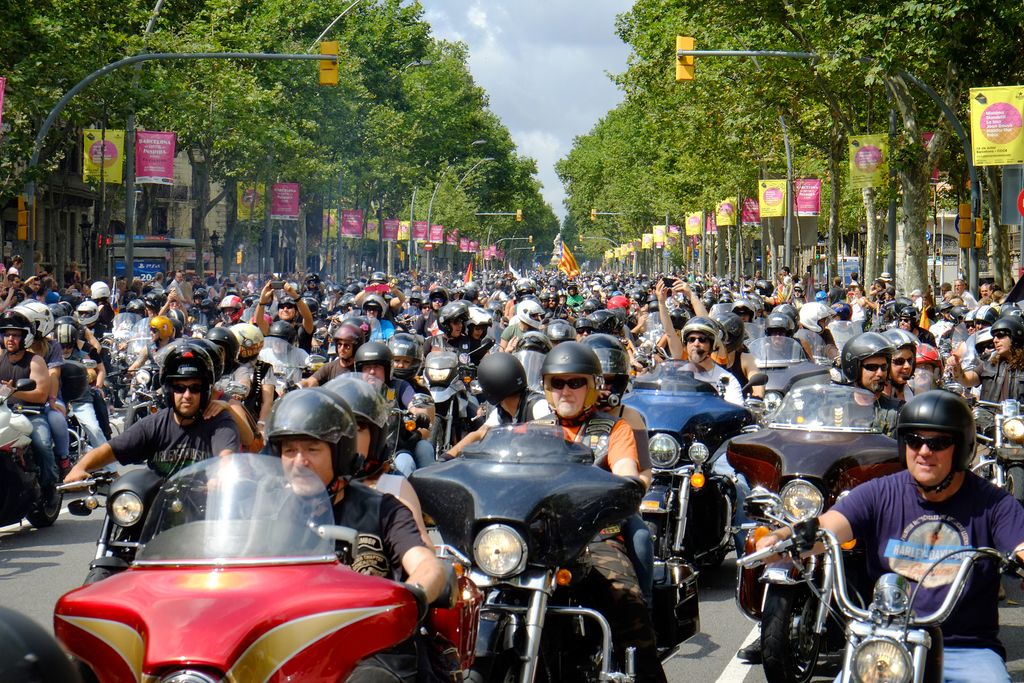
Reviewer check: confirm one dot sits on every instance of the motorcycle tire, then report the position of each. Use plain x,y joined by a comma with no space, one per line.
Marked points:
503,668
97,574
789,645
43,515
1015,481
130,413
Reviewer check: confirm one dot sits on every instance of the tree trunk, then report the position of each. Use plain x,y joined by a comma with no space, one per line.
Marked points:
230,224
999,238
837,150
870,255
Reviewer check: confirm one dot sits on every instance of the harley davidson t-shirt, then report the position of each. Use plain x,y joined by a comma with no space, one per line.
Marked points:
159,441
905,534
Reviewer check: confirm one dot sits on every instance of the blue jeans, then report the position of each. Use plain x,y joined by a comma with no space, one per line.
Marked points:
85,413
640,549
59,431
422,456
42,448
967,664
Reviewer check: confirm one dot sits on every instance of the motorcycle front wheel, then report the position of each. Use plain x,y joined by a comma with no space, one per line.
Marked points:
43,515
789,645
503,668
1015,481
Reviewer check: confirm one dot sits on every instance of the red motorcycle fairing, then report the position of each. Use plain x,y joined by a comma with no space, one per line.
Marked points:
458,625
311,622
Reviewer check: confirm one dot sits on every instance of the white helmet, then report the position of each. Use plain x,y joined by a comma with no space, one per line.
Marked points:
87,312
530,313
479,316
99,290
250,340
39,315
811,315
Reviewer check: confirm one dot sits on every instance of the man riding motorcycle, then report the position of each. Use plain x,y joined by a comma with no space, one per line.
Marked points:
348,337
1001,376
908,520
311,430
904,361
866,360
188,430
572,383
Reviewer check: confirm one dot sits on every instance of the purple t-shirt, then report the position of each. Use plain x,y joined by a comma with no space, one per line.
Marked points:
889,515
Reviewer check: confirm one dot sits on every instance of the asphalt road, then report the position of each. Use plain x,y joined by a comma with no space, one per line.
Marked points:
37,566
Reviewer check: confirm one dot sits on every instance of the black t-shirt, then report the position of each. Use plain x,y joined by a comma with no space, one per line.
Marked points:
160,442
303,339
399,535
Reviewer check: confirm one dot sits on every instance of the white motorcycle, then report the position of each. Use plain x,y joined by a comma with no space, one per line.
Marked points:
21,496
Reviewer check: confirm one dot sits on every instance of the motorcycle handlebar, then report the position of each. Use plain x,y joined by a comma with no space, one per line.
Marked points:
97,479
758,557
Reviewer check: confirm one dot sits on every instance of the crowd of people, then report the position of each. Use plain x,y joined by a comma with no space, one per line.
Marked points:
314,370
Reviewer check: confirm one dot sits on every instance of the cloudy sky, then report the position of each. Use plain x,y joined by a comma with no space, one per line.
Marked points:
544,65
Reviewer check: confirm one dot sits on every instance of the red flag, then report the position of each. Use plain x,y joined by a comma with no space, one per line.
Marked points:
468,277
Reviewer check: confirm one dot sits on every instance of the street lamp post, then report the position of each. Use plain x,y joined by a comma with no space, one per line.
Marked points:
430,206
215,244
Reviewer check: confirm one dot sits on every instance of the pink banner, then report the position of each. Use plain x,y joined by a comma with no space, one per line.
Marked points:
751,211
154,157
284,201
419,231
391,226
489,252
3,86
499,254
451,237
710,224
807,196
464,245
437,234
474,246
352,223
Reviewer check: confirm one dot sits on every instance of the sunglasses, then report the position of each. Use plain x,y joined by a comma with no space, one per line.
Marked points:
902,361
1000,334
186,388
557,383
342,342
935,443
697,339
875,367
280,306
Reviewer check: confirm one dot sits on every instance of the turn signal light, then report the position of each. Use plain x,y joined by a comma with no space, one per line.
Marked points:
760,532
849,545
563,577
459,569
697,480
410,425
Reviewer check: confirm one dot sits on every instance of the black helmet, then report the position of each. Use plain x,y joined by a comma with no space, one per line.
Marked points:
28,654
188,362
13,320
940,411
585,325
958,313
67,330
375,301
374,353
859,349
283,330
780,321
614,364
763,287
228,342
590,305
378,278
534,341
606,322
136,306
216,352
369,408
317,414
438,294
501,375
910,313
559,331
732,330
574,358
456,311
986,314
787,309
679,317
1011,325
405,345
525,286
471,292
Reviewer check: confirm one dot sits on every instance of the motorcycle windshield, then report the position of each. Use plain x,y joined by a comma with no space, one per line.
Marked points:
241,509
139,337
826,408
287,360
440,367
752,331
528,442
776,352
532,362
843,331
122,324
672,377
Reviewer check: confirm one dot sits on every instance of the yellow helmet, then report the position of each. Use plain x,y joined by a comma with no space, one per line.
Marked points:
163,326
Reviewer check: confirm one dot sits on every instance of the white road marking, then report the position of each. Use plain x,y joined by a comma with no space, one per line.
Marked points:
18,525
736,670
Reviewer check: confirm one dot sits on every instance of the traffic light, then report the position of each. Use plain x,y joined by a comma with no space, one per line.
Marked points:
593,214
238,257
978,225
328,67
963,222
22,218
519,214
685,66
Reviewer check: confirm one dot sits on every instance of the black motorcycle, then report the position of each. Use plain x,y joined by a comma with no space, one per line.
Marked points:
450,379
521,507
689,508
21,496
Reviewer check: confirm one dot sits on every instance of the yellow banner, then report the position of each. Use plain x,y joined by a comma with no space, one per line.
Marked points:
772,196
106,149
997,117
648,240
372,231
869,162
251,199
659,235
403,231
331,223
726,213
609,254
693,224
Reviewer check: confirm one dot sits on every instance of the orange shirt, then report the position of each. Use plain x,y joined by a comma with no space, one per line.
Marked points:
621,443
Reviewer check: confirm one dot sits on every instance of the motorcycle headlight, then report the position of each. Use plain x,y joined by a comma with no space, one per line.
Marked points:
500,551
802,500
438,375
881,660
664,450
126,508
698,453
892,595
772,401
143,377
187,677
1013,430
